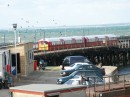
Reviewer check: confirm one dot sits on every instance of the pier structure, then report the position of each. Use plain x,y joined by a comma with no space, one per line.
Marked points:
107,55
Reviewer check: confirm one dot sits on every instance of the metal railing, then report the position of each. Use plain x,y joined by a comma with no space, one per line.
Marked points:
6,44
111,83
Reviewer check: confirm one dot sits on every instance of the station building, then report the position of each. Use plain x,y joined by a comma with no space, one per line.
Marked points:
19,57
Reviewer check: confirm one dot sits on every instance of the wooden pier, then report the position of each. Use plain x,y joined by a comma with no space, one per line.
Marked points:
107,55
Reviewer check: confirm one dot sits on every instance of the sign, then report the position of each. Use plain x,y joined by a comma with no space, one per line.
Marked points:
43,47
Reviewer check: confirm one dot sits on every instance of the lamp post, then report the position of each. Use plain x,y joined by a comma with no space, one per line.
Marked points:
15,27
15,68
4,38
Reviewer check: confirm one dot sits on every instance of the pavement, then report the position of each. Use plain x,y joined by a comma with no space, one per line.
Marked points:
48,76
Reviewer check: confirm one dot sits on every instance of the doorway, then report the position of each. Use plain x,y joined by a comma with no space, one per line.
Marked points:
15,61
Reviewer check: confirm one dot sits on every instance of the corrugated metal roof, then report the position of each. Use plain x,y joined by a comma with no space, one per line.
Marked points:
45,87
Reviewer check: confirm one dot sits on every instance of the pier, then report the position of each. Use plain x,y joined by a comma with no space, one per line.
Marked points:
107,55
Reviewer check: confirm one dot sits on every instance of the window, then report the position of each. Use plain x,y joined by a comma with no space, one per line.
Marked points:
30,56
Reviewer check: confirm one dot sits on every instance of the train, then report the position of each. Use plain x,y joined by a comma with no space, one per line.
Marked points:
60,43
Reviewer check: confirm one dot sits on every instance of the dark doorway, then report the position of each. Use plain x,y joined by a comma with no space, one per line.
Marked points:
16,58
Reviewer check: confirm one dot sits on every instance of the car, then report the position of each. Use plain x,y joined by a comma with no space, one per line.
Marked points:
62,80
82,66
73,59
74,65
90,81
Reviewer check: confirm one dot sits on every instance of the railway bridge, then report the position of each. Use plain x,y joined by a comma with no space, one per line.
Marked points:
107,55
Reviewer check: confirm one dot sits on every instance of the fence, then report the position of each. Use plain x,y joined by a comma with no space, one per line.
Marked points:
117,85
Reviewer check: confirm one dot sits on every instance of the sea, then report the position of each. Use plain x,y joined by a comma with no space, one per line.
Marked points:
35,34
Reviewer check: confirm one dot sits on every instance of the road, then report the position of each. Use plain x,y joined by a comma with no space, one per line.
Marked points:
37,77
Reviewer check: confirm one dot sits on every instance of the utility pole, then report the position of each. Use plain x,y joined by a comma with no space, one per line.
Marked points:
15,68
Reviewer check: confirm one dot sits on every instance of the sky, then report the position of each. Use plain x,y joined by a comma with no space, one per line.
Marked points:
46,13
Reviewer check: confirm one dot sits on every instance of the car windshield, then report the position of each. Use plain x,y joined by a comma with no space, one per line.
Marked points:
76,76
77,59
74,73
78,66
72,65
86,73
69,82
75,65
72,82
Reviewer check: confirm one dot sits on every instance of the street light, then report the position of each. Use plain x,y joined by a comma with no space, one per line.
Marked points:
15,68
15,27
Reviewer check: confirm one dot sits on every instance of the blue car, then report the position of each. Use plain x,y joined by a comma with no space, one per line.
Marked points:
81,66
62,80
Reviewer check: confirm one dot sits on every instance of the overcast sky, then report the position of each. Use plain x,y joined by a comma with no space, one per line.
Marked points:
43,13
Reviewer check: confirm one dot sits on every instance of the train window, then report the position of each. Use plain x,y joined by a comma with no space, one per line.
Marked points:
53,43
67,42
91,40
61,42
100,39
56,43
79,41
73,41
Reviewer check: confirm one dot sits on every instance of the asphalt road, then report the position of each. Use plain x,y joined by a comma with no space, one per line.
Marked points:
37,77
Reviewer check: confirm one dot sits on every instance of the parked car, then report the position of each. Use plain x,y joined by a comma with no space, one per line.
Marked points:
62,80
88,81
73,59
75,65
82,66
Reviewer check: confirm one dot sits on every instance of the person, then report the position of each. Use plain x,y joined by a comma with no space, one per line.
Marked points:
41,64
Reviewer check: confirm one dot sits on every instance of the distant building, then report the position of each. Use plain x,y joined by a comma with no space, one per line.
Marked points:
124,41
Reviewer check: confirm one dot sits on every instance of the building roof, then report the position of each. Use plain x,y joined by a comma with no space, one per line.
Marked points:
45,87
